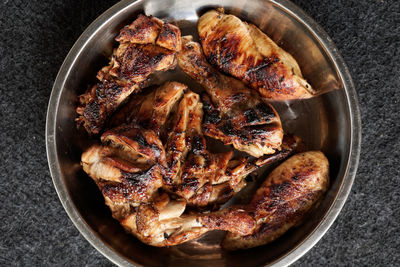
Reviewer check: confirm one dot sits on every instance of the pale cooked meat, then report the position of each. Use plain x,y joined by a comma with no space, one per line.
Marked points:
235,114
245,52
131,63
152,110
288,193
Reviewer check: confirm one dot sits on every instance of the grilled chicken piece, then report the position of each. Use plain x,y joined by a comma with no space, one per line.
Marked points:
201,169
179,139
288,193
245,52
123,184
192,170
235,114
135,142
151,111
162,223
146,46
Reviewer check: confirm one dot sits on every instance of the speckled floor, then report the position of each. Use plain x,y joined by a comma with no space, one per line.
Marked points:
37,35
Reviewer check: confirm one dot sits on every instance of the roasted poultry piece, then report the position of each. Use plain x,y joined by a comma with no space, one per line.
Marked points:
131,189
128,167
245,52
152,110
235,114
146,46
192,170
288,193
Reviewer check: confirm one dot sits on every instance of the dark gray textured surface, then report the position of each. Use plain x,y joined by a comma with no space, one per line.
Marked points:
35,38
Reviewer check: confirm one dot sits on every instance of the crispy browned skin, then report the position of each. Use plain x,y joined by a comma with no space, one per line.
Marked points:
152,110
136,142
179,139
234,113
245,52
122,183
192,170
288,193
146,46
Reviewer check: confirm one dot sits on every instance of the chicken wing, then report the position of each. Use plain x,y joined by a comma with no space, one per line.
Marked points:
288,193
235,114
146,46
245,52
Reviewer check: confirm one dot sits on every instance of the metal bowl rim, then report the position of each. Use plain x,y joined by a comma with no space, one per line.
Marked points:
351,165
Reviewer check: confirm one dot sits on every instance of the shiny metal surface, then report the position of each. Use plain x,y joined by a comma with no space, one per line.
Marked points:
330,122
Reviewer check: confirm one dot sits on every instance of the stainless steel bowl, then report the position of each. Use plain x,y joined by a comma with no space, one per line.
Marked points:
330,122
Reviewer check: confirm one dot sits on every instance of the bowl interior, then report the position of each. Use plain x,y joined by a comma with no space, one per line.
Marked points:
323,122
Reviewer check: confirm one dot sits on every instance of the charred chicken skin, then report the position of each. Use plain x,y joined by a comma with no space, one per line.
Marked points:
245,52
234,113
151,110
146,46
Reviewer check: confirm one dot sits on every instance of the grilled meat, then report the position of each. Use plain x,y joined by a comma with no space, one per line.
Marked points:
136,142
146,46
179,139
234,113
152,110
162,223
200,177
245,52
148,184
192,170
288,193
238,169
123,184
